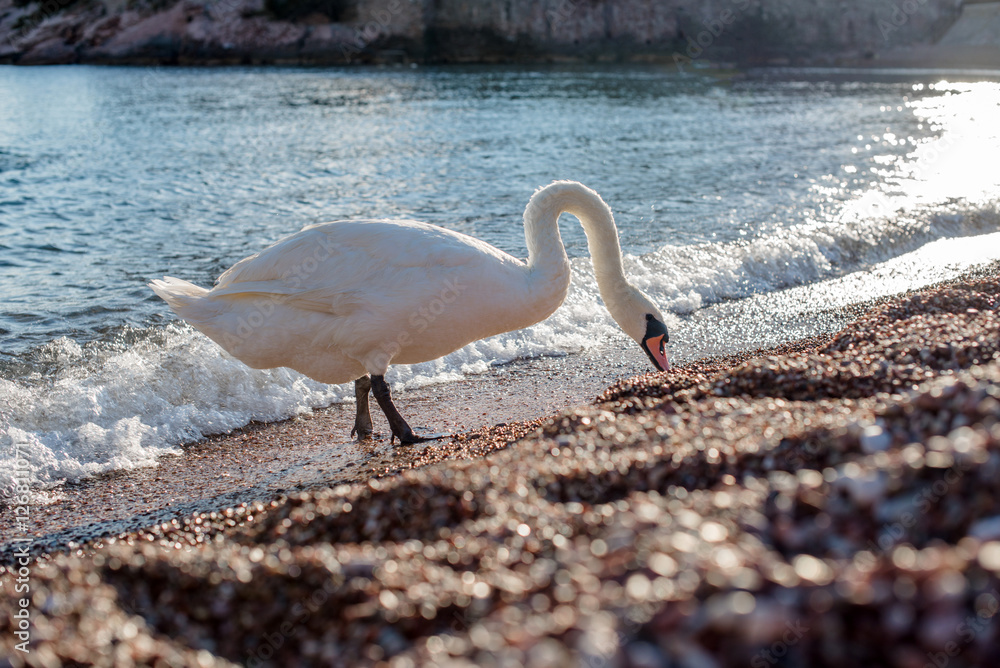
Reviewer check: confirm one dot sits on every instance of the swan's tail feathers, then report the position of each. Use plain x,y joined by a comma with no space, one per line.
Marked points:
175,291
186,299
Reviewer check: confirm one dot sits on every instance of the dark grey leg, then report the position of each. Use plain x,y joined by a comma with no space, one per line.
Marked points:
400,429
363,419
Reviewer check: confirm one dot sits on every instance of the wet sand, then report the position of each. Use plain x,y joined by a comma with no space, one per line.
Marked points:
830,501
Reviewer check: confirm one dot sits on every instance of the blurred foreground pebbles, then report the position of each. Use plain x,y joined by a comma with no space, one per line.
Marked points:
830,502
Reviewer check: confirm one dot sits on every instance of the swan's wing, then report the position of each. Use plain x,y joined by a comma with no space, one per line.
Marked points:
333,300
340,266
284,259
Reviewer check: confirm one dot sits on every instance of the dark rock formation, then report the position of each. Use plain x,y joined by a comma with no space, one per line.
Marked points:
206,32
349,31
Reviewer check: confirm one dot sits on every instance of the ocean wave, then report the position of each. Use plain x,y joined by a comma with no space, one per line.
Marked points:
688,278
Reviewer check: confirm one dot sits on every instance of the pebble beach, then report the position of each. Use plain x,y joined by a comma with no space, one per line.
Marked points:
832,501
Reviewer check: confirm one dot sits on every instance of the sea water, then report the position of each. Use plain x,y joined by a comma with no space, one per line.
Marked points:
815,189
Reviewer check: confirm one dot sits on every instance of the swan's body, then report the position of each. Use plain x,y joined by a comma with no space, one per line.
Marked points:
339,301
379,292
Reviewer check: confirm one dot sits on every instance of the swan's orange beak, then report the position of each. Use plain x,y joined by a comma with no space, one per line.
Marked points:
655,341
655,349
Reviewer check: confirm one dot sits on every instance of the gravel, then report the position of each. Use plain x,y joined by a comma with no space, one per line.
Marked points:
834,501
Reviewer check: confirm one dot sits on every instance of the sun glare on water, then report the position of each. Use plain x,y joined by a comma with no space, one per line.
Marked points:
939,180
962,159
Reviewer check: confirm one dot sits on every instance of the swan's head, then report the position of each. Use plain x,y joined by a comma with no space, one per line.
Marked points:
638,317
654,342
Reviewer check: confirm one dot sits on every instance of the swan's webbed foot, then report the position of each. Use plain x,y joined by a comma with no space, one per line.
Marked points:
363,419
400,429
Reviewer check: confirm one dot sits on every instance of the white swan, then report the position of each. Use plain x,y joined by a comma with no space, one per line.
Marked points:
342,301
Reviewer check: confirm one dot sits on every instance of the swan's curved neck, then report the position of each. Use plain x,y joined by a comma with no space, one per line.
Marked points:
546,253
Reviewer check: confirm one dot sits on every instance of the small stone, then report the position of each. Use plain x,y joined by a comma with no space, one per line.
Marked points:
987,529
875,439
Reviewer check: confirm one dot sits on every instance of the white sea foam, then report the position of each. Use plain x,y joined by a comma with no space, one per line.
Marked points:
687,278
119,410
101,409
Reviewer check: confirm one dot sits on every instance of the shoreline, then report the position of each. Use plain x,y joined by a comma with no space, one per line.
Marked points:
699,513
261,461
976,61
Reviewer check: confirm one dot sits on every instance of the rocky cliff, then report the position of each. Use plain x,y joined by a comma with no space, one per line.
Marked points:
348,31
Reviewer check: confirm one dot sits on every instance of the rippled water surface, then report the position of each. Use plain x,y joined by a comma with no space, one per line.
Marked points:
724,187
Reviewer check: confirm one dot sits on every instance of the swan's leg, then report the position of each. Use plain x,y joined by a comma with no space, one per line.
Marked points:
363,419
400,429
